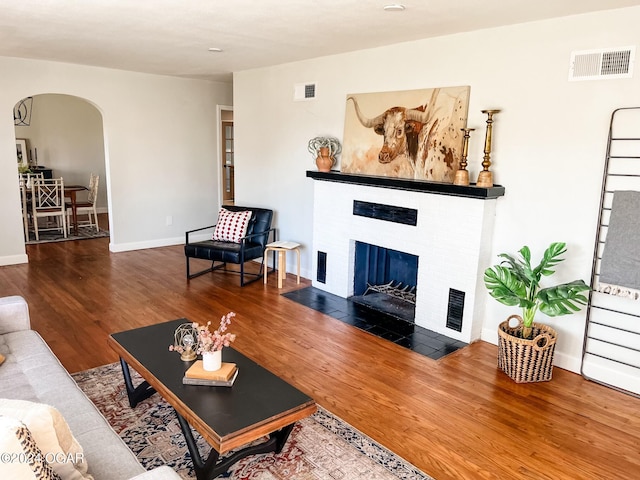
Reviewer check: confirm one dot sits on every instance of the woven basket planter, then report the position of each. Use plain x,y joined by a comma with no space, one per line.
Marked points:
526,360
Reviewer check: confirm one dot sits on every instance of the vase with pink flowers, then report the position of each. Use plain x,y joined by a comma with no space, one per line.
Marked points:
209,343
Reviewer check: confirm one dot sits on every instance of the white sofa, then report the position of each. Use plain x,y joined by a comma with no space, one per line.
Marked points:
32,372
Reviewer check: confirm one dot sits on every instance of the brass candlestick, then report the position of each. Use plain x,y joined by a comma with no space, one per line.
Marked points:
485,177
462,175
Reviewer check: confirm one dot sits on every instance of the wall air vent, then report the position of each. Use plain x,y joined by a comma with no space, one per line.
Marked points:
304,91
604,63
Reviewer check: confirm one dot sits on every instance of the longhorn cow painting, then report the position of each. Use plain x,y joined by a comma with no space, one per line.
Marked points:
409,134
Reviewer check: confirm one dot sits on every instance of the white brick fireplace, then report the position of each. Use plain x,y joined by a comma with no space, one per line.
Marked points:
452,239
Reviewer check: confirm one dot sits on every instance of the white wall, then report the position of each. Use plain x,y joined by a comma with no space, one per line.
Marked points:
160,149
68,135
549,140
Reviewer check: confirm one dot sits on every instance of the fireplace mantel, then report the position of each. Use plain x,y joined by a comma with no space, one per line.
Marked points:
409,184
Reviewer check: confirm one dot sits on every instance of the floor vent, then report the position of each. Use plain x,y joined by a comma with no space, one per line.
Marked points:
304,91
605,63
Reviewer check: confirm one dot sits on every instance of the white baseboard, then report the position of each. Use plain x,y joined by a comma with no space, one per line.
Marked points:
163,242
567,362
611,374
489,335
14,259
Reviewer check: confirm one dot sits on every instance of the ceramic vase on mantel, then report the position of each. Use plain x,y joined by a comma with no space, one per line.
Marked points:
212,361
324,162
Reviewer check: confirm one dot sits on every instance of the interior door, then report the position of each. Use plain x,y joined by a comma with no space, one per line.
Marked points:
227,163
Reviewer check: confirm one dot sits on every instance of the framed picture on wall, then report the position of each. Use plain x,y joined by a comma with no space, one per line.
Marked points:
22,152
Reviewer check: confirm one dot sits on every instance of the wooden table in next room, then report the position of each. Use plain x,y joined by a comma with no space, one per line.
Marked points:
70,192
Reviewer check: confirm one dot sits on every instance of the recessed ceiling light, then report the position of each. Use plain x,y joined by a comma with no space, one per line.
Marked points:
215,49
394,7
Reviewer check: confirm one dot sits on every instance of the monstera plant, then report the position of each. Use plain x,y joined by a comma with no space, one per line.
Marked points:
514,282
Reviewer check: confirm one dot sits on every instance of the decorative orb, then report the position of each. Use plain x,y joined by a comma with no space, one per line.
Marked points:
186,337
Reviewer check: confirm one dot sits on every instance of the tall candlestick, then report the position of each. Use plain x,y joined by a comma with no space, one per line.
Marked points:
462,175
485,177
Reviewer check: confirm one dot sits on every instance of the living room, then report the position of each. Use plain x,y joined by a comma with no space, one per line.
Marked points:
549,145
549,139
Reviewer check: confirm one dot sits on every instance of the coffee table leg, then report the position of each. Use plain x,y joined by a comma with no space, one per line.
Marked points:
281,437
135,394
211,467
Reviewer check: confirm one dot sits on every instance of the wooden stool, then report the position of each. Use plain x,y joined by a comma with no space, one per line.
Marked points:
281,247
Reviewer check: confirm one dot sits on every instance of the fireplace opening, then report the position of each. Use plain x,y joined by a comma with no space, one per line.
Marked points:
385,280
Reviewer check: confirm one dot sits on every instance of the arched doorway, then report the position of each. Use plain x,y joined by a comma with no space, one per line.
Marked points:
64,137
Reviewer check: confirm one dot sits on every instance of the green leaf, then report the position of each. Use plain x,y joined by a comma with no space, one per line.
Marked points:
550,259
518,268
504,286
562,299
526,254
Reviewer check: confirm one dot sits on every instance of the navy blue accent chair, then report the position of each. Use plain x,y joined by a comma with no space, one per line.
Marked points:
251,246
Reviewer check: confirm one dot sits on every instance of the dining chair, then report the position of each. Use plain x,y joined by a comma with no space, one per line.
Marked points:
25,181
28,178
87,208
24,202
47,200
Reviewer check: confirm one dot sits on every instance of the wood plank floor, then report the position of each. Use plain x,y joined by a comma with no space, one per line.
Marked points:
455,418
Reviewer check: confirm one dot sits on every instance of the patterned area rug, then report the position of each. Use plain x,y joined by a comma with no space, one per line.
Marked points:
56,236
321,447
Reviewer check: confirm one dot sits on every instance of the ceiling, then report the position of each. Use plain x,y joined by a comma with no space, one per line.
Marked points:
173,37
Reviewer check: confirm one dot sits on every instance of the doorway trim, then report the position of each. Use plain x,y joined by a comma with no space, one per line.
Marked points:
219,169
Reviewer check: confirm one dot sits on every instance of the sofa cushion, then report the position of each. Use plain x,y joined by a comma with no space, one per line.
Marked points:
231,226
52,435
21,457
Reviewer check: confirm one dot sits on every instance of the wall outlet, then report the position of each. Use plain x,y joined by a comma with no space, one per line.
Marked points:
169,220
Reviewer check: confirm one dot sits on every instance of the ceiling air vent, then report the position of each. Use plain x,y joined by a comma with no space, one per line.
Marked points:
602,63
304,91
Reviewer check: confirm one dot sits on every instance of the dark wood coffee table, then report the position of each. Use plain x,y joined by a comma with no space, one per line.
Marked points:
259,404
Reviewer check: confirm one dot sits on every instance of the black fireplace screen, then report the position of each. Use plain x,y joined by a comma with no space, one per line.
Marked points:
375,266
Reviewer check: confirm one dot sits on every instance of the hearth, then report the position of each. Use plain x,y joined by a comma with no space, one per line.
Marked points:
406,334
